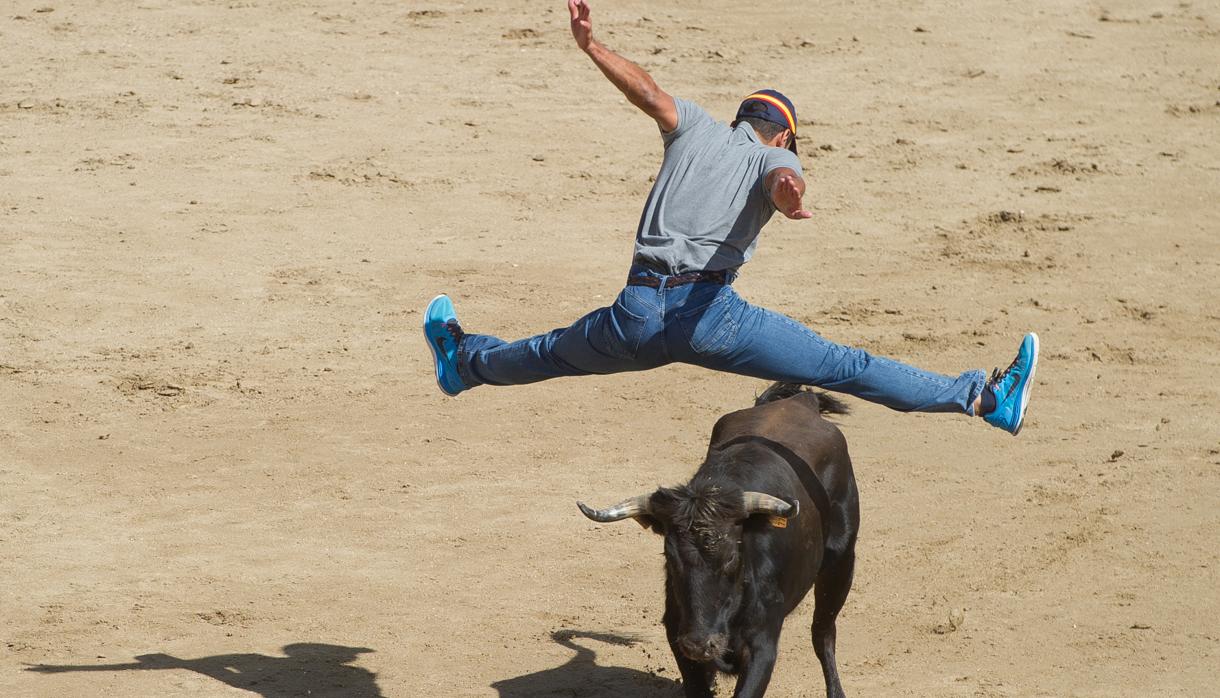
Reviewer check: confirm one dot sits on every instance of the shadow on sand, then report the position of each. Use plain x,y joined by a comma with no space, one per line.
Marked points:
308,669
582,677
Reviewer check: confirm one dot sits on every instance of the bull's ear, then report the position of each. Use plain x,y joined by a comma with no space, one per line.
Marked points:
648,521
658,507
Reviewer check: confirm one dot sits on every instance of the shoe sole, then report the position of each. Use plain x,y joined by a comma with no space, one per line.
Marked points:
437,359
1029,385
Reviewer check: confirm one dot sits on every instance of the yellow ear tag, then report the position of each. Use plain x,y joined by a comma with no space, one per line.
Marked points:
778,522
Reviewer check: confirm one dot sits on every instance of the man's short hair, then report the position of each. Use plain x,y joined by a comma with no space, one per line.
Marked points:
766,130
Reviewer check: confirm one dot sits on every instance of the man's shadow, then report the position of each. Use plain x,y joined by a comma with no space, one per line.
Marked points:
582,676
307,669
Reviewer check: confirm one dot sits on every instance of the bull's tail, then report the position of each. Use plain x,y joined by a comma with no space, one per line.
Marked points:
827,403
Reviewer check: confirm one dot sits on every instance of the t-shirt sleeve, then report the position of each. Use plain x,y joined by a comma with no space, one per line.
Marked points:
691,117
774,159
780,157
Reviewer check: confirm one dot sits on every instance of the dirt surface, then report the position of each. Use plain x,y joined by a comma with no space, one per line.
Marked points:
225,468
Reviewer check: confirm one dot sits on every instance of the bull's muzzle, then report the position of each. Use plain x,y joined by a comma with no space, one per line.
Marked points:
704,648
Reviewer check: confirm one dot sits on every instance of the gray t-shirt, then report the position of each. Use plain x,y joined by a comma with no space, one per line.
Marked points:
709,201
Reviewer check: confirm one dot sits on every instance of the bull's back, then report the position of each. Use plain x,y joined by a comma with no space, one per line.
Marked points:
793,422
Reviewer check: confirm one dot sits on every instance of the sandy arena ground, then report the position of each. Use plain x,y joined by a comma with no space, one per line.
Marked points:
225,469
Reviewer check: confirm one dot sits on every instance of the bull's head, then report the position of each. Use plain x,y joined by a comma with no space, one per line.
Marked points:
702,526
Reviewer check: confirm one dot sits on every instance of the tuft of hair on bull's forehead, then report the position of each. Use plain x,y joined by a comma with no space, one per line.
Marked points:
706,510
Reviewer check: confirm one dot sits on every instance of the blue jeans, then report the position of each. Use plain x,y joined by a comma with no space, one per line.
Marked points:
709,325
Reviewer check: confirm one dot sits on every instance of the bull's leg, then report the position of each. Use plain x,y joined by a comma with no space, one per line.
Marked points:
756,674
697,678
834,581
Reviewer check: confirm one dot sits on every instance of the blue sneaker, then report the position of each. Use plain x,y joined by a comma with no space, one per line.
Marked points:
1011,388
443,333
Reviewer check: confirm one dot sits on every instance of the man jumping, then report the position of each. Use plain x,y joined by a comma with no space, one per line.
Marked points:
718,185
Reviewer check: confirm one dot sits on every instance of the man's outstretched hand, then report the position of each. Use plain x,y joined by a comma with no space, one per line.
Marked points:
582,26
786,192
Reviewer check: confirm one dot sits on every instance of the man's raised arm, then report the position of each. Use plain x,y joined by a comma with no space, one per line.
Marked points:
632,80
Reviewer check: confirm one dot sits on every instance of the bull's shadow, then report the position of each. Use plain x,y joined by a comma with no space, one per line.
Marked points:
583,677
307,669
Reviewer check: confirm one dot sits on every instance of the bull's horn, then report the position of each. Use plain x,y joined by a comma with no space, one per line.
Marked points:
628,508
760,503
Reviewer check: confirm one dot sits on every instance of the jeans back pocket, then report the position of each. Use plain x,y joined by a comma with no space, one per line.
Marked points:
620,330
710,329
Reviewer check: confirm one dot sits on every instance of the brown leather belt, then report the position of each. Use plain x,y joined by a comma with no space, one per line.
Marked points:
690,277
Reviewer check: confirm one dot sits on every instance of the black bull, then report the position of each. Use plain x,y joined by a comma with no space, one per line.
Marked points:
738,558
